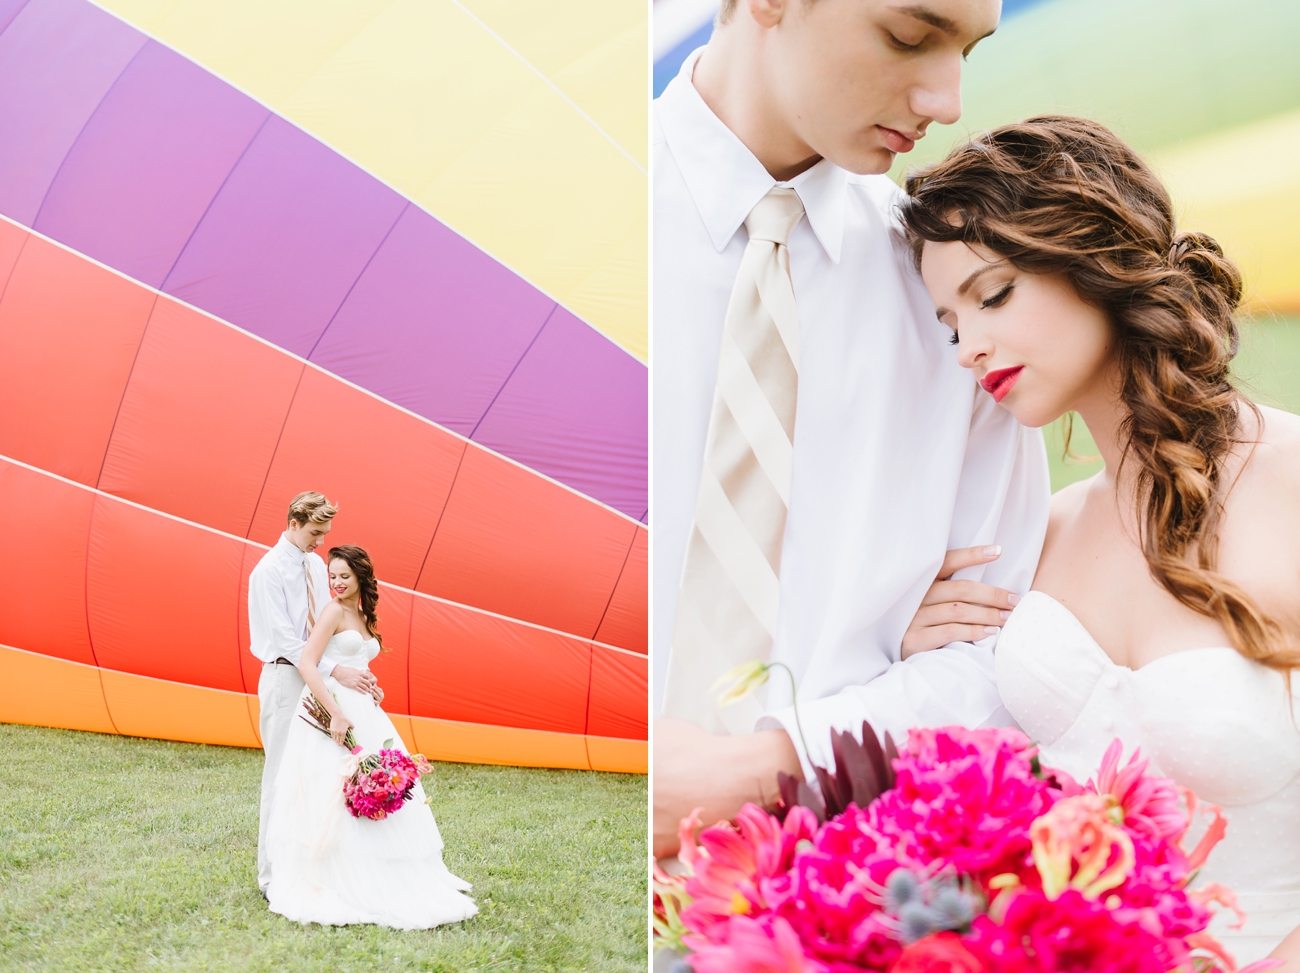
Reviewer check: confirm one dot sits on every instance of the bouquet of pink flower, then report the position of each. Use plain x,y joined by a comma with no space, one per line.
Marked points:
374,785
959,854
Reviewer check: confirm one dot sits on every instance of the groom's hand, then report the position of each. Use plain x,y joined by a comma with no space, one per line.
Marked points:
721,773
958,611
362,680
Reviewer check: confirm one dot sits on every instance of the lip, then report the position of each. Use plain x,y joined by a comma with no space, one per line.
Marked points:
896,141
999,382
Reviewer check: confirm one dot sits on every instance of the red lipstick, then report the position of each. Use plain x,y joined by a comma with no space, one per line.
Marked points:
999,383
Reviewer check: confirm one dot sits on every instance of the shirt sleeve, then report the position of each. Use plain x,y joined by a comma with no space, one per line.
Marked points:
269,623
1003,498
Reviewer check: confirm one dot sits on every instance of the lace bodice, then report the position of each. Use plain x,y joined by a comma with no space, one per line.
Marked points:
352,649
1209,718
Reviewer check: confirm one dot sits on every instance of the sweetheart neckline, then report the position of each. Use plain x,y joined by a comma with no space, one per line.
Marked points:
363,641
1106,656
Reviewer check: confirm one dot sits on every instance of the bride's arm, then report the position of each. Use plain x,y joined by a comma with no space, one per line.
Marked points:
326,627
1288,950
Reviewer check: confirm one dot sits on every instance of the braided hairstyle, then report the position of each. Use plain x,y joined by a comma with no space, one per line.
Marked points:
359,561
1061,195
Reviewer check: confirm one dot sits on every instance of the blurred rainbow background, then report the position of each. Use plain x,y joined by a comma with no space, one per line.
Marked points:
390,250
1209,92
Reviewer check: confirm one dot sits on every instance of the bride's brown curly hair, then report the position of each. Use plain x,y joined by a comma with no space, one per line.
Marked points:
364,571
1061,195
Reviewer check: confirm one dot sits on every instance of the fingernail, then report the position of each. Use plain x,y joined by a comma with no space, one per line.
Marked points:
990,630
1013,599
1005,615
993,550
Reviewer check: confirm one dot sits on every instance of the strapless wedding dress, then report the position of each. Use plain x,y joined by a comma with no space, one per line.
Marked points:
331,868
1209,718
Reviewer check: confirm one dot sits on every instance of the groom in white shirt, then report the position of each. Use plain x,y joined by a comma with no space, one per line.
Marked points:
286,592
817,448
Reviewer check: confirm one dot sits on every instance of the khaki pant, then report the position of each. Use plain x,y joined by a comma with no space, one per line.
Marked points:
278,690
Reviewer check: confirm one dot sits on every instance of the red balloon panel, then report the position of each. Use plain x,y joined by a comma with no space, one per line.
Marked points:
12,239
389,471
624,623
163,597
477,668
200,420
522,546
618,706
390,666
69,330
46,521
250,666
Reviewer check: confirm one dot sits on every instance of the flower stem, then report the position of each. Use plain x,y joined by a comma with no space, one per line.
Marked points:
794,700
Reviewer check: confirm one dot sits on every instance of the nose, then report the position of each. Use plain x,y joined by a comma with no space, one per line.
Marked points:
972,350
938,94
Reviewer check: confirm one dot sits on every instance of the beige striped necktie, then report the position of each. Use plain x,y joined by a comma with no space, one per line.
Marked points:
311,593
726,608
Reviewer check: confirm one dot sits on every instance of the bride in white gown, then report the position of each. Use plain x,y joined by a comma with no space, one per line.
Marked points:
327,866
1166,607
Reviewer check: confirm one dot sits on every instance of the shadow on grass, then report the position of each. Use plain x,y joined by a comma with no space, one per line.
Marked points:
121,854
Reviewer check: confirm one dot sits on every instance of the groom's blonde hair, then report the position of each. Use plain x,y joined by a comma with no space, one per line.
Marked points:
311,507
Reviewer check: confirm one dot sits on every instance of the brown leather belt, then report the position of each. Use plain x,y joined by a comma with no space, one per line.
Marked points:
282,661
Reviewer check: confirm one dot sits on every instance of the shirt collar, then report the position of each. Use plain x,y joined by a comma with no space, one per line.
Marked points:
724,178
288,548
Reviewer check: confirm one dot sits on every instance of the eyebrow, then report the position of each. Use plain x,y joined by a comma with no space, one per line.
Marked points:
969,282
945,24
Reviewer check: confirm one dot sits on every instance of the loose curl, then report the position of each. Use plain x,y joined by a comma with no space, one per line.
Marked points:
1061,195
359,561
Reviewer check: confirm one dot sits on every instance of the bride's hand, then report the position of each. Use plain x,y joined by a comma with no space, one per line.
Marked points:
339,726
377,693
958,611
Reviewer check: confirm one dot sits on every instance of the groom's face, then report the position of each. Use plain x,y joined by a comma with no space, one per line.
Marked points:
860,80
307,536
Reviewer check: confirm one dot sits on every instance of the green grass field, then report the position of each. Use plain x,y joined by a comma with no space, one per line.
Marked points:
119,854
1267,368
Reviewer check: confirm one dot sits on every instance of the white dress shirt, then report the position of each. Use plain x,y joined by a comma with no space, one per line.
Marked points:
898,454
277,602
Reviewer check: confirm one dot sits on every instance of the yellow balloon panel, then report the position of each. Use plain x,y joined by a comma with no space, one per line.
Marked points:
439,102
593,50
1242,187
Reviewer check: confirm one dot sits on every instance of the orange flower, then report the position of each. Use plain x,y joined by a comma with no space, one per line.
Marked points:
1073,845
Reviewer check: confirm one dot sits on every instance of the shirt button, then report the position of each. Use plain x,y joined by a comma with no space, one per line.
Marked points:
1110,681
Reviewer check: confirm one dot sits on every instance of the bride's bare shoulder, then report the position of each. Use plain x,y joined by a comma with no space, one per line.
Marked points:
1273,442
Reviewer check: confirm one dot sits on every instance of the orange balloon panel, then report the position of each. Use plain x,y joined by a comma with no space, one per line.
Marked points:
476,668
60,380
618,756
391,472
624,623
618,705
162,597
504,525
471,743
42,691
47,522
200,420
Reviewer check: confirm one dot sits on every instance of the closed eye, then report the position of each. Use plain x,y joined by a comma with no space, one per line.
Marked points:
954,339
902,46
999,298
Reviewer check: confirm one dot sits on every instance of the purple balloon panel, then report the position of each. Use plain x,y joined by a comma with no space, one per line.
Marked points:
148,163
57,60
126,151
285,239
9,10
432,326
570,400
